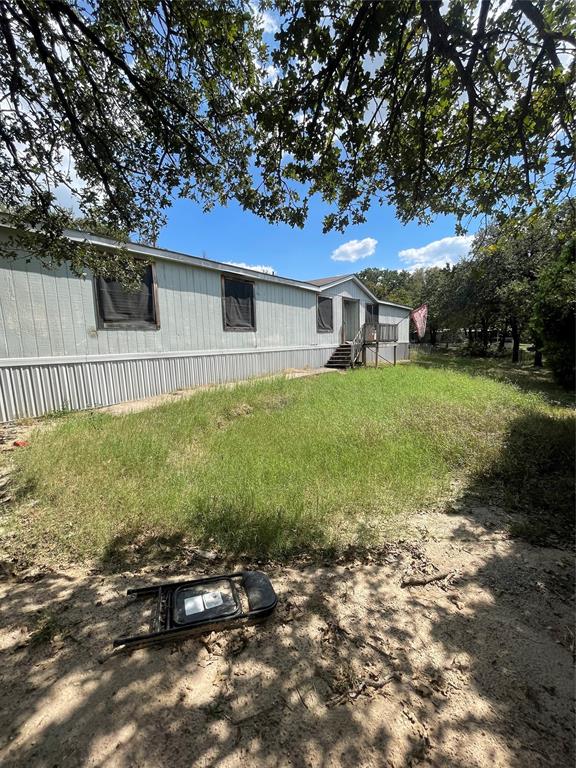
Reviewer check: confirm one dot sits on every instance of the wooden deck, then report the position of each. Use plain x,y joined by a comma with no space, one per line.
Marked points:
351,353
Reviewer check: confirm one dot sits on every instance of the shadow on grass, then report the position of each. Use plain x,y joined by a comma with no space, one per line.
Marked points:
536,477
488,683
224,530
522,375
128,550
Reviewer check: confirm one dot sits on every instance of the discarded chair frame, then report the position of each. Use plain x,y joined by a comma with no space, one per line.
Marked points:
185,608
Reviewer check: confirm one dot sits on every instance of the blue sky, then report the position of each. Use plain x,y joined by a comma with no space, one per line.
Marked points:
229,234
233,235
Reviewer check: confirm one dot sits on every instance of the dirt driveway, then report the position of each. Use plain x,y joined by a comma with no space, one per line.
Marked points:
353,670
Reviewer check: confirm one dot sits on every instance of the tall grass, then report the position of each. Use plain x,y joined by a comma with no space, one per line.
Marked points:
268,467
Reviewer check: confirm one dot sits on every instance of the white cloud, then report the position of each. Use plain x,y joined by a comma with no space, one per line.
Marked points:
67,193
438,253
264,20
354,250
269,23
272,73
65,198
255,267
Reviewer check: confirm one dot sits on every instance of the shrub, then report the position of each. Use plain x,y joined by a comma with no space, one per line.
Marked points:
475,349
555,314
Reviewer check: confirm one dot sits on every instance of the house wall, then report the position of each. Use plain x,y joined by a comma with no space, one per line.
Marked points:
52,314
386,313
53,356
346,290
393,316
397,316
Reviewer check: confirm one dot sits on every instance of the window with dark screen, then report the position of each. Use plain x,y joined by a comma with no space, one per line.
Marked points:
119,307
324,317
238,304
371,314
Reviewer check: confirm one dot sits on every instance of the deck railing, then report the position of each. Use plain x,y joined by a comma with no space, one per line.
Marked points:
371,333
380,332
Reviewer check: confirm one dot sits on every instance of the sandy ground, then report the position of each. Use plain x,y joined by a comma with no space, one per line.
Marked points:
353,669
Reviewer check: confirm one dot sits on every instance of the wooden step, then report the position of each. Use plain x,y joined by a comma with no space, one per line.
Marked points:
341,357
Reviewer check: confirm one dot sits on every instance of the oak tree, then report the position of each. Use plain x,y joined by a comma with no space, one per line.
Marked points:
460,107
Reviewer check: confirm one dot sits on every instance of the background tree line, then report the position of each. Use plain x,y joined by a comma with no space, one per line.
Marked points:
518,281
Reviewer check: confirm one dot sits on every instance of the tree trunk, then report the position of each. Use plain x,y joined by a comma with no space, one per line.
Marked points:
484,334
515,342
433,332
538,344
502,342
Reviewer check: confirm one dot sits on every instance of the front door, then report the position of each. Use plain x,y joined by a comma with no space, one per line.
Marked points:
350,318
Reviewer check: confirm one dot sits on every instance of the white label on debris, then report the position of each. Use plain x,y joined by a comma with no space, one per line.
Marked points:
193,605
212,599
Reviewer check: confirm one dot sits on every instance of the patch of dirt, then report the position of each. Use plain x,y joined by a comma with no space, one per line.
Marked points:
14,436
354,669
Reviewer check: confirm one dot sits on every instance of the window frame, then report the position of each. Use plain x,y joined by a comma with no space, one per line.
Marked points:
237,279
129,325
331,300
372,322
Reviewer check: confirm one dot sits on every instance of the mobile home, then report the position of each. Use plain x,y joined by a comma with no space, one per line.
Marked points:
68,342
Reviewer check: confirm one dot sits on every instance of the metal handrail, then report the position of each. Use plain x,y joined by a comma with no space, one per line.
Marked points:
357,344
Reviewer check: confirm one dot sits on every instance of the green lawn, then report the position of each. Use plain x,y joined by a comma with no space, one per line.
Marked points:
522,375
274,467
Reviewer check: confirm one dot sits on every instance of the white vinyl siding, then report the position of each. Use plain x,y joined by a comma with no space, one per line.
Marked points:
53,313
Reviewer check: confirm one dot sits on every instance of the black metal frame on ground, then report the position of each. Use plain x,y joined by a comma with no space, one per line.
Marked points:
182,609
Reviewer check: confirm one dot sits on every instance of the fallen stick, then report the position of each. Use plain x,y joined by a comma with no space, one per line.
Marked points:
301,699
420,581
374,647
353,694
382,683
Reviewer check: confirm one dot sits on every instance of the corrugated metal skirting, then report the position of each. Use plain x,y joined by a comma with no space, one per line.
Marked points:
38,389
386,353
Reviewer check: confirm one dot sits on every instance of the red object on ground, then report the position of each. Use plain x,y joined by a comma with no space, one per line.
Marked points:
21,443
